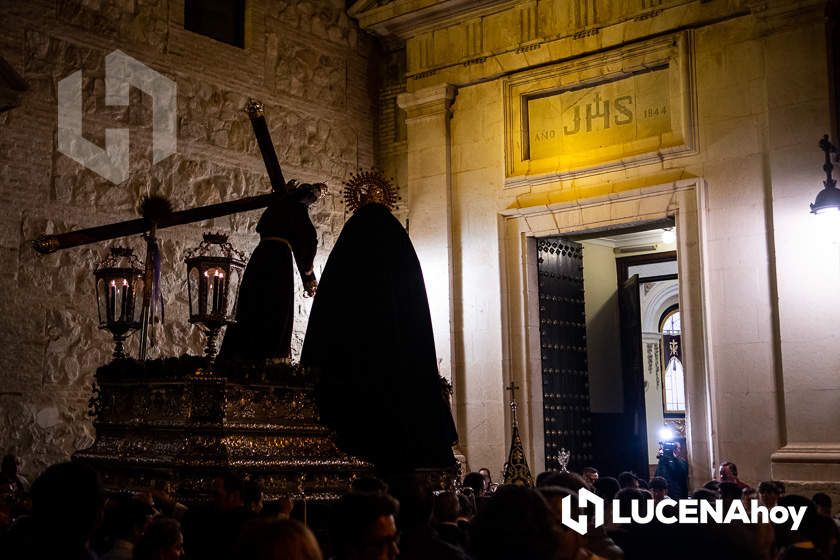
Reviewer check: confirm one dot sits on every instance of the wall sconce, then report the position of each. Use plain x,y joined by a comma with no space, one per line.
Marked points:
828,199
214,271
119,280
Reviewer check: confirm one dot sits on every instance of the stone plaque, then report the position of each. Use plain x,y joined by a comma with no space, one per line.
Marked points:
623,108
575,122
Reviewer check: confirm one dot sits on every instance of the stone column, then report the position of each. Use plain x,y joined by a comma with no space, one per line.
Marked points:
430,205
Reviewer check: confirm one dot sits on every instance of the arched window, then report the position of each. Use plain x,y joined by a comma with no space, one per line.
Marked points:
673,388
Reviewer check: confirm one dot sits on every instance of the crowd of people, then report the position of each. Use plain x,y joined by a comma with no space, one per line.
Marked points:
66,514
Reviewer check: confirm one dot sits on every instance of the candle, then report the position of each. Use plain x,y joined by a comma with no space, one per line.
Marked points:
123,294
216,292
112,300
202,305
221,290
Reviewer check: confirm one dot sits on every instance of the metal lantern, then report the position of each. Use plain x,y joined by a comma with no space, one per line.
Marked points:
119,284
214,272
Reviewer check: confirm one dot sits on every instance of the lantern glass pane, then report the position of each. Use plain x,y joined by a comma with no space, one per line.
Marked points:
100,302
136,295
233,290
192,287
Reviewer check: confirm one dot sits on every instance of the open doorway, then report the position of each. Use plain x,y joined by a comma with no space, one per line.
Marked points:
613,375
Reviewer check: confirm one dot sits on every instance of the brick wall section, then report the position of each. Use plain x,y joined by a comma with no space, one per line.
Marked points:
304,59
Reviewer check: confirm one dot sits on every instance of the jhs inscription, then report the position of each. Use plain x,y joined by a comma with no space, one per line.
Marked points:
600,114
615,113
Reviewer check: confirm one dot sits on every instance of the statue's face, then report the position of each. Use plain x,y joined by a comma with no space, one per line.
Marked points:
373,194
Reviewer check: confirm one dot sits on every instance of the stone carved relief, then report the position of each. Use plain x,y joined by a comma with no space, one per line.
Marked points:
325,20
303,72
144,22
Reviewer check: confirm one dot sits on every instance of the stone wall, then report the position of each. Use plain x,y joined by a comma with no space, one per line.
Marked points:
304,59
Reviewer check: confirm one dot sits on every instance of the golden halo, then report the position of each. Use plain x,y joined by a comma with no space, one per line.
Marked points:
367,187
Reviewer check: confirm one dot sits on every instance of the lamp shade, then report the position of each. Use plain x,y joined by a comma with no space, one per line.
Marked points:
828,200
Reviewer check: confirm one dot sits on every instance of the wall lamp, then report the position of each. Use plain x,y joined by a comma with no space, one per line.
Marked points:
828,199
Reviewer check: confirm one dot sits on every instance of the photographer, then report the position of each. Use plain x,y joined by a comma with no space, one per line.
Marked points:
673,468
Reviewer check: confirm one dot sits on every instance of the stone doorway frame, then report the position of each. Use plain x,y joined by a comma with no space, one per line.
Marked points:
683,200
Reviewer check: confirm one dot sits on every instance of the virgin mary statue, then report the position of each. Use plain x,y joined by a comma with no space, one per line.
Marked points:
370,341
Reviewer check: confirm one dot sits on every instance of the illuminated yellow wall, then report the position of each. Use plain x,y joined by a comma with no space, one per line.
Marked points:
742,99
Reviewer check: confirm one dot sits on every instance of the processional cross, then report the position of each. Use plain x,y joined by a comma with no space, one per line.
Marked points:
148,225
512,387
516,469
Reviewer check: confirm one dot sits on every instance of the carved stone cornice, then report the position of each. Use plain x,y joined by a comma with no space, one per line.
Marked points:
427,102
404,17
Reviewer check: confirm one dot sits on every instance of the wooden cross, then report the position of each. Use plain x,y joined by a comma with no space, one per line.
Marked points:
513,387
50,243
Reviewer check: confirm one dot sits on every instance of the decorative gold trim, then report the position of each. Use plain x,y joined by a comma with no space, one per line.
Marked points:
369,187
45,244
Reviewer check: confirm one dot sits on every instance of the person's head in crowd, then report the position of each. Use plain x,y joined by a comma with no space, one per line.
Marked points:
729,492
416,502
712,485
807,530
705,494
447,508
363,527
161,541
252,497
823,503
369,485
768,493
279,539
516,522
10,467
825,531
227,491
67,506
563,479
628,480
590,475
466,507
540,480
728,472
570,543
488,480
659,488
781,486
279,509
474,481
607,487
126,519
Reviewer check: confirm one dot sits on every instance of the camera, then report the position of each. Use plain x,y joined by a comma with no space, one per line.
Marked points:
666,449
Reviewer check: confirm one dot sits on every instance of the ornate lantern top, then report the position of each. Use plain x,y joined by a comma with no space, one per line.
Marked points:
216,245
120,256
